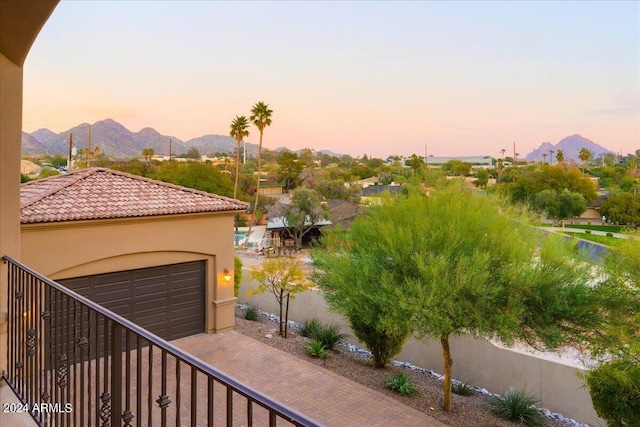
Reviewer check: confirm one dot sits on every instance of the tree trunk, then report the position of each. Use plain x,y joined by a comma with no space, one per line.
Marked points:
255,203
235,185
286,317
281,301
448,362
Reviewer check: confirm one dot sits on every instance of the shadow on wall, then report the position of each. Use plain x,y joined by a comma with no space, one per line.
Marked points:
477,360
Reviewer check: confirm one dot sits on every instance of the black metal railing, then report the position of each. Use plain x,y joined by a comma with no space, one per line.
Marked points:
71,362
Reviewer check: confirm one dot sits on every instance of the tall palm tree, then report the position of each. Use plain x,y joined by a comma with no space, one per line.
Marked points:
560,156
584,156
239,130
544,158
551,155
261,118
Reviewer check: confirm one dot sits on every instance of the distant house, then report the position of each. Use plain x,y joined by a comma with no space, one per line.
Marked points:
474,161
271,189
593,209
366,181
150,251
342,212
278,231
377,190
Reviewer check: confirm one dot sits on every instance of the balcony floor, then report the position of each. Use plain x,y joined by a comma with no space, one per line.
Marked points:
321,394
330,399
11,418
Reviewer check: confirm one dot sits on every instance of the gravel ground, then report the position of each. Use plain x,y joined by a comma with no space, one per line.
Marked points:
468,411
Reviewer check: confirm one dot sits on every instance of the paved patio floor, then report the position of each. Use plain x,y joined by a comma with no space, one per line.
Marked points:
317,392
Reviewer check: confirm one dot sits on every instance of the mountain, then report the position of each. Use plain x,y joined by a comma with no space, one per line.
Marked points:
31,145
570,146
113,139
117,141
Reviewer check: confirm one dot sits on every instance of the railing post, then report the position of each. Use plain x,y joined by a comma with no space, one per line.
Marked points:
116,373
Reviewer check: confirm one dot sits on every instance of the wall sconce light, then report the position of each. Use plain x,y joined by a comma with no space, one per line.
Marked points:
226,275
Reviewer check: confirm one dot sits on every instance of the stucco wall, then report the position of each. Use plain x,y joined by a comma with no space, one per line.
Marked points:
73,249
10,137
477,360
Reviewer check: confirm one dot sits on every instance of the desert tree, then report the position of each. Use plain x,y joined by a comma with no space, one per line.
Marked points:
614,385
560,205
560,156
459,263
239,130
300,215
357,281
261,118
284,278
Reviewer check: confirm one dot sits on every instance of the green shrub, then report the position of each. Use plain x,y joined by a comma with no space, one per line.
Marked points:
518,405
328,335
462,388
251,313
382,344
237,275
310,328
316,349
615,392
609,234
401,385
242,221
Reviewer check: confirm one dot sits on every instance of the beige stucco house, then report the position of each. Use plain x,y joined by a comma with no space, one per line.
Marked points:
153,252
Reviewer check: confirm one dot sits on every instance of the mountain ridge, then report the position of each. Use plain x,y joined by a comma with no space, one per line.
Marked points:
115,140
570,146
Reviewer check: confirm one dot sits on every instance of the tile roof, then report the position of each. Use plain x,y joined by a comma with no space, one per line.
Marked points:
99,193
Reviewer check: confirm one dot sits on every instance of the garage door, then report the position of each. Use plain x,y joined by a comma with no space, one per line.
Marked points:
167,300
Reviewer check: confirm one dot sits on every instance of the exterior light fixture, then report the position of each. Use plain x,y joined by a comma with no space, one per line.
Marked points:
226,275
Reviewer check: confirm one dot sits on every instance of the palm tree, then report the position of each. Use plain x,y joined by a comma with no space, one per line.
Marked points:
560,156
544,158
239,130
584,156
148,153
551,155
261,118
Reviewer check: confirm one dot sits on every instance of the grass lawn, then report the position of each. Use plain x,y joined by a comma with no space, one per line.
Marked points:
609,228
603,240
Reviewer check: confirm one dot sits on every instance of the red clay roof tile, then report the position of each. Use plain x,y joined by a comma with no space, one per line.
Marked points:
98,193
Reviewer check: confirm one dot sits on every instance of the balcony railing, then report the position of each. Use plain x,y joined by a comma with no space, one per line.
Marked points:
71,362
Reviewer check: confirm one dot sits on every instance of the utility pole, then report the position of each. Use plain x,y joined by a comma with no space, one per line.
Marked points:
89,149
69,161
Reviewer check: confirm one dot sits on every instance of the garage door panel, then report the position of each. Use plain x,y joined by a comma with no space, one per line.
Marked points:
166,300
113,279
150,290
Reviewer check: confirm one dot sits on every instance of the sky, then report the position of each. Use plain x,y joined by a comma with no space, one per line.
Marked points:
375,78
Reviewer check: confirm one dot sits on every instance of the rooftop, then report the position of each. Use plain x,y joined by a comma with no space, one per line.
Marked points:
99,193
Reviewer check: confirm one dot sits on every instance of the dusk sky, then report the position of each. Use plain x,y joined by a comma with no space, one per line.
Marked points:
381,78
